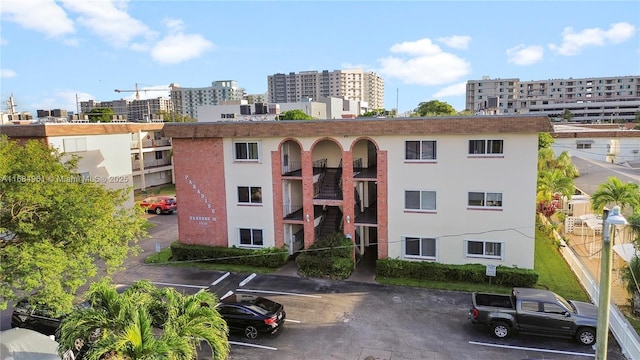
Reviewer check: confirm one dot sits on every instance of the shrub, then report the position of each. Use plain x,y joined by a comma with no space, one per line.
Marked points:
266,257
473,273
329,257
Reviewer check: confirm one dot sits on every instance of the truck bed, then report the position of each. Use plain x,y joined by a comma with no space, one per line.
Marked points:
495,300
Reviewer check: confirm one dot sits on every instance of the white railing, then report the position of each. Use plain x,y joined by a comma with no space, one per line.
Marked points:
622,330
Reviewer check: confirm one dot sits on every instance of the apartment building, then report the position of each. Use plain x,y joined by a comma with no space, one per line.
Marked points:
187,100
611,143
144,110
117,155
355,84
451,190
592,100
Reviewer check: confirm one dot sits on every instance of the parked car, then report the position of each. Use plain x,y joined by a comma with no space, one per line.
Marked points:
160,204
41,319
535,311
252,315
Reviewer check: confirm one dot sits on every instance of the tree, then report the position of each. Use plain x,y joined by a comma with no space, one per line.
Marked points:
567,115
100,114
55,225
374,112
145,322
435,108
551,182
295,115
175,117
545,140
615,193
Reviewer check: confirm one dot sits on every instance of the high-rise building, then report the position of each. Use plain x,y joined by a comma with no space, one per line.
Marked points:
133,110
594,99
187,100
355,84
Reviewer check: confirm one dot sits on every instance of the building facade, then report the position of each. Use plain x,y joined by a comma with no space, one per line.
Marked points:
145,110
611,143
118,155
438,189
187,100
356,84
593,100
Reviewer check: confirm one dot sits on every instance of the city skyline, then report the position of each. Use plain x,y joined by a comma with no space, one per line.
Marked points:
425,50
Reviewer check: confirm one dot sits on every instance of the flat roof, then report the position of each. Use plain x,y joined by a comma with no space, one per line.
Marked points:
70,129
500,124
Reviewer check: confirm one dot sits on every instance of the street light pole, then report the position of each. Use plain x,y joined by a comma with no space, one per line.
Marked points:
604,296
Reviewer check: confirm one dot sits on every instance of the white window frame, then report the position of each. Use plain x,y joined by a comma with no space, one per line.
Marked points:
420,151
489,200
422,205
486,251
247,143
487,148
252,244
72,145
251,201
421,256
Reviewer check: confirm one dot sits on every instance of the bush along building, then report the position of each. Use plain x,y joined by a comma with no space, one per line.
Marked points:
453,190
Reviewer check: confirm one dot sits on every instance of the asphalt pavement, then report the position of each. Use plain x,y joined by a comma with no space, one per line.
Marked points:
355,319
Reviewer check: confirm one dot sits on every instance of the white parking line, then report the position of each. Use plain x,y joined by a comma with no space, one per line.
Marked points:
532,349
181,285
220,279
279,293
229,293
252,345
293,321
245,281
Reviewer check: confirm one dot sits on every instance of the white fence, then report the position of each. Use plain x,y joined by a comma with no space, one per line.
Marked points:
624,333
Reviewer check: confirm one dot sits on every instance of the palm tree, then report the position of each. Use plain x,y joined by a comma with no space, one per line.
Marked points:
615,193
563,163
145,322
551,182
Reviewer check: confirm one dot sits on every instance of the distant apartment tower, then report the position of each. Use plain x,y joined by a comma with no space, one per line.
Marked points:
187,100
355,84
133,110
596,99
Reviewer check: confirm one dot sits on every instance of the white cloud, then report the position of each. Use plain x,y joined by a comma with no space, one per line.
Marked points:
573,42
451,90
456,41
7,73
427,64
109,20
525,55
3,41
44,16
177,48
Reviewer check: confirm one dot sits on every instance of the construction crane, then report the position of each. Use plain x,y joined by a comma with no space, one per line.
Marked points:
137,91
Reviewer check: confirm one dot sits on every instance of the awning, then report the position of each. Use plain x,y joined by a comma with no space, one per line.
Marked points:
626,251
25,344
585,141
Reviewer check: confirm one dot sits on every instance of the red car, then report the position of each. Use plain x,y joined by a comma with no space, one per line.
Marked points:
160,204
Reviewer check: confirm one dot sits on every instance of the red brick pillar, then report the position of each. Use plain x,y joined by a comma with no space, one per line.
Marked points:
348,198
278,213
307,198
383,207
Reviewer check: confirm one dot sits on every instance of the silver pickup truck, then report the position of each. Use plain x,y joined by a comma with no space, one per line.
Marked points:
535,311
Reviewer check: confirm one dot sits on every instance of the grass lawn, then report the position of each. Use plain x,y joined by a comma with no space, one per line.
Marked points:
168,189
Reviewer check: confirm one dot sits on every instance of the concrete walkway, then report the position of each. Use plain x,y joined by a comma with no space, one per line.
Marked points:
588,249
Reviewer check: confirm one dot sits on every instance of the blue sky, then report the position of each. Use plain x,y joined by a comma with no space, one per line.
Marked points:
52,52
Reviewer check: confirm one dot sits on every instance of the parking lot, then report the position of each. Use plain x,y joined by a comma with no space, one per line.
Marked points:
351,320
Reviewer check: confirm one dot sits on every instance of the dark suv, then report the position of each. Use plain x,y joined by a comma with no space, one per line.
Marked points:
37,318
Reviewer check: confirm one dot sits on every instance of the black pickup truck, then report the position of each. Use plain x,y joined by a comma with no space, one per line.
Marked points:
535,311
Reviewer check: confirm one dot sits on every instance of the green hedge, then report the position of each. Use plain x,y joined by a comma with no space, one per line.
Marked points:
265,257
329,257
473,273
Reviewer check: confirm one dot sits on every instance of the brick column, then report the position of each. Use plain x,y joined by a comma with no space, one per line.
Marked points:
383,209
307,198
276,174
348,197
